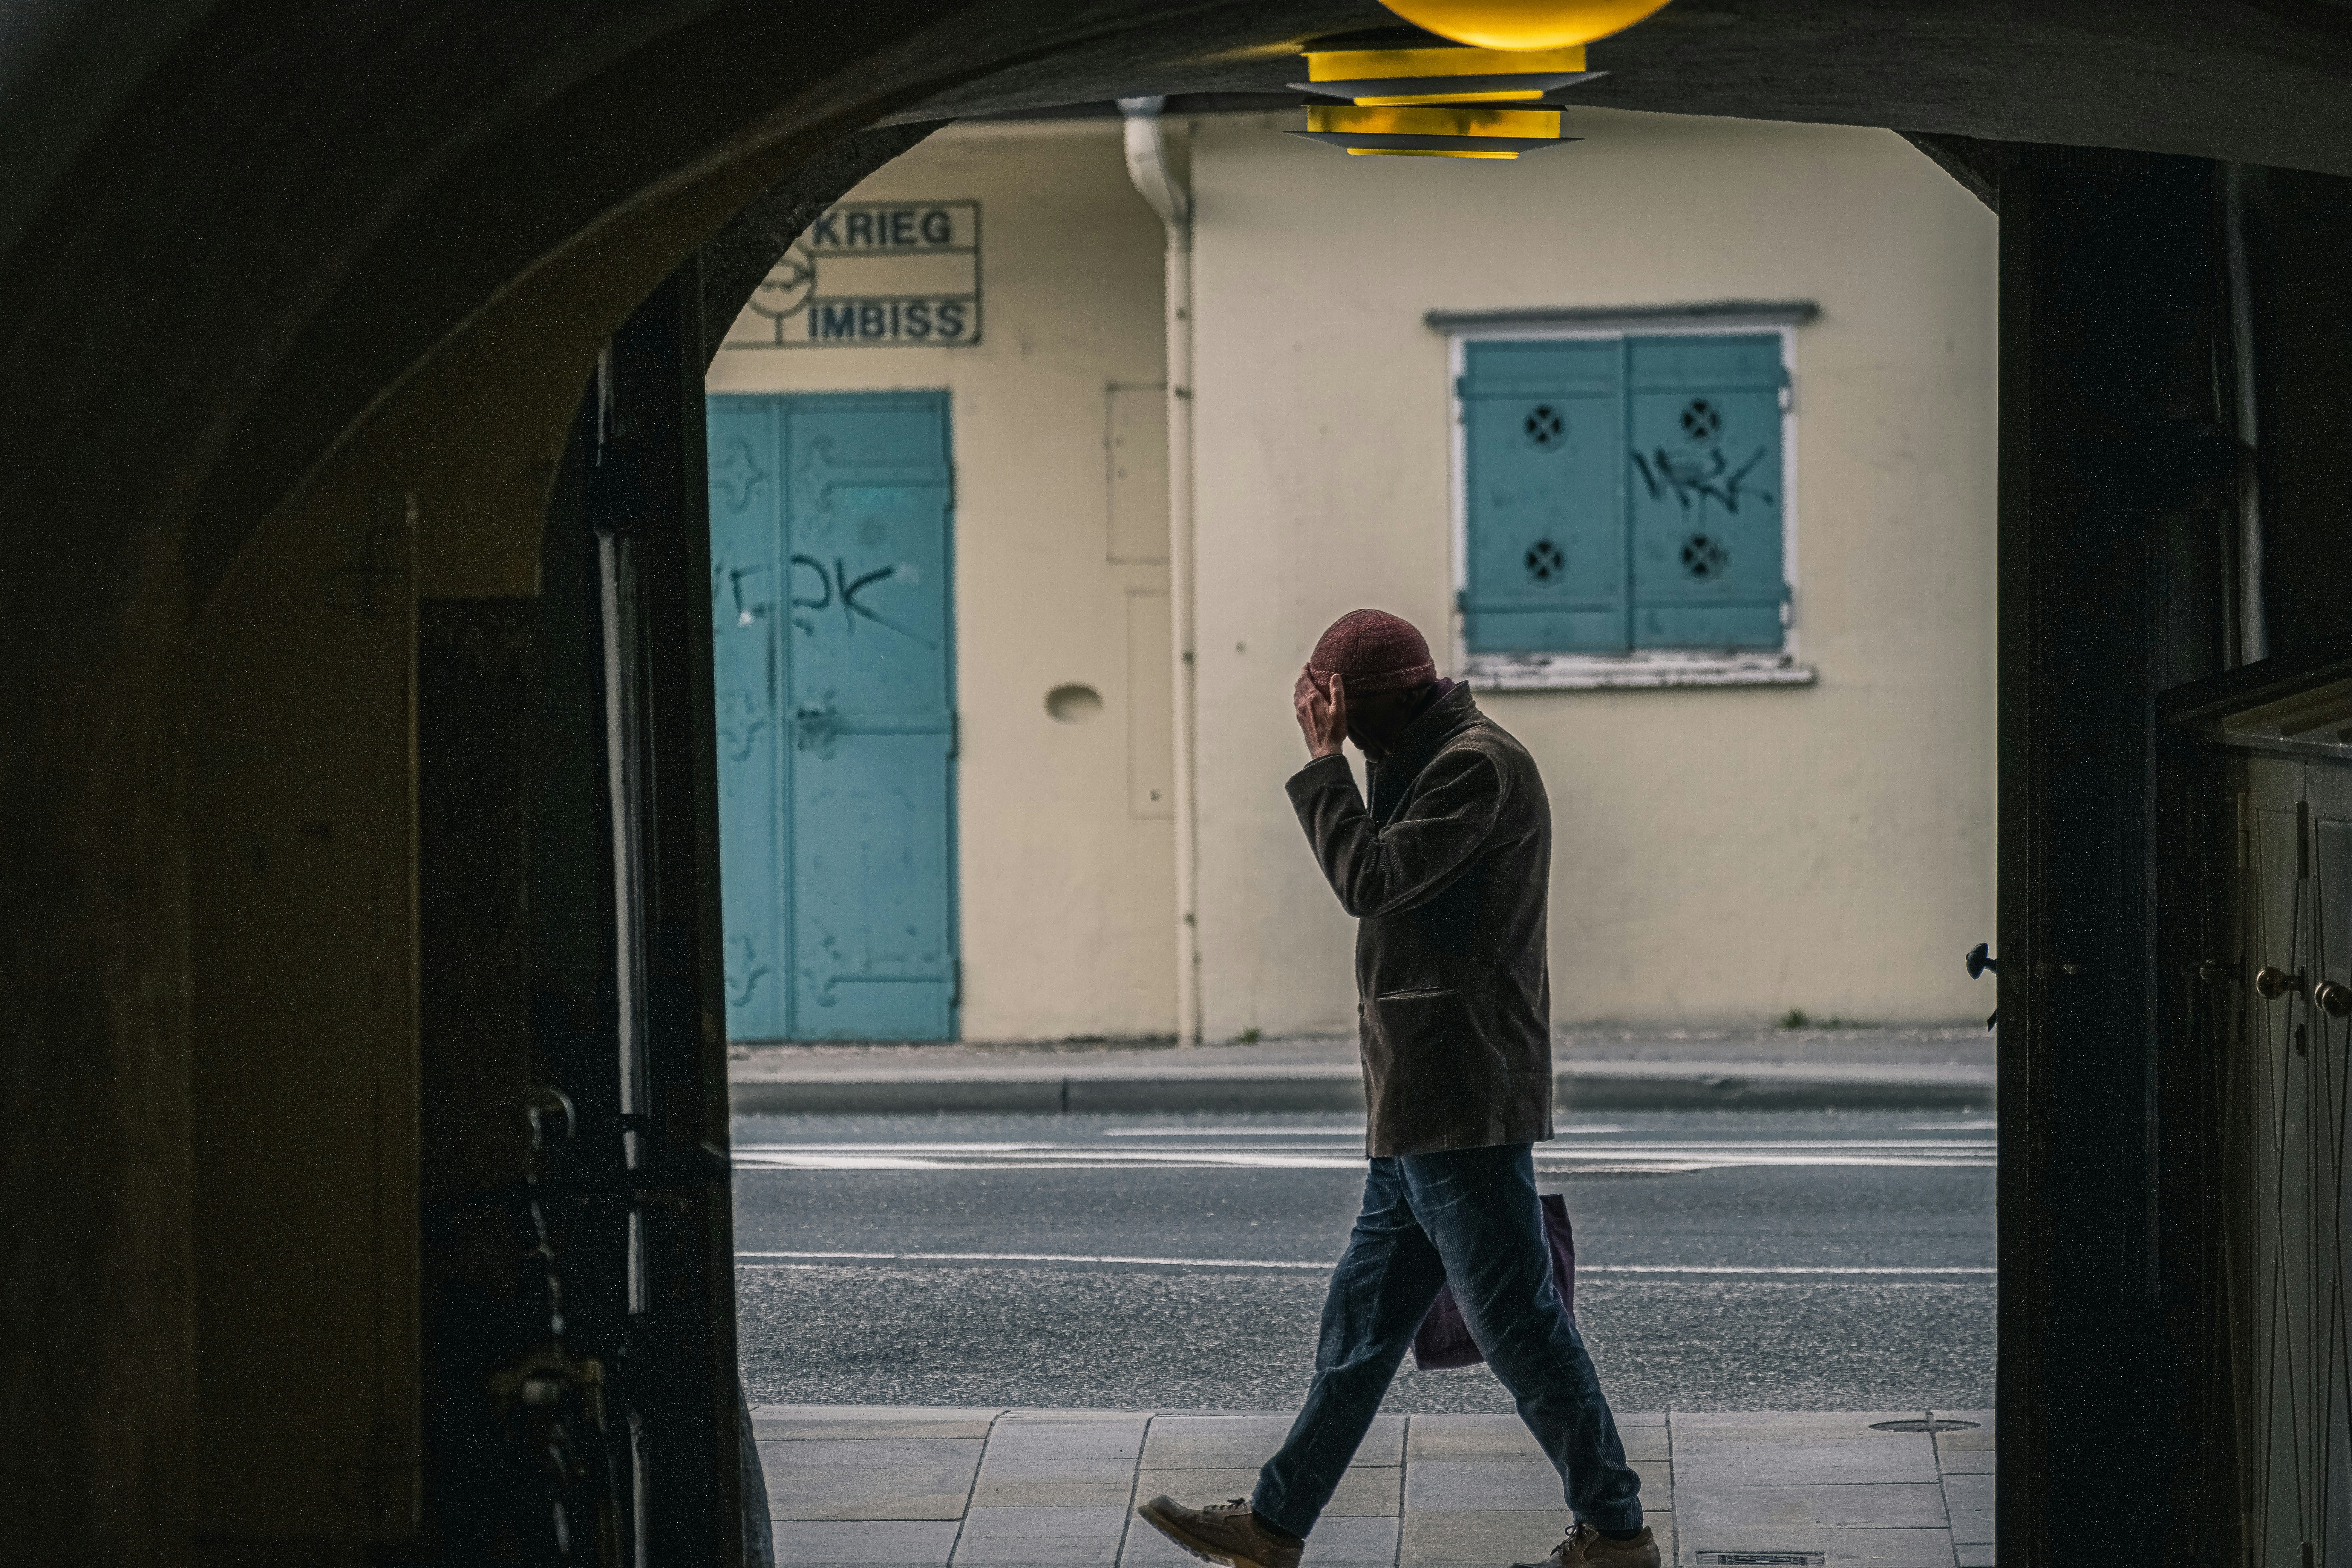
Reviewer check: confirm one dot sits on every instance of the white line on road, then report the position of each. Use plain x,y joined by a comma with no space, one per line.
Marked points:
1032,1258
1765,1268
1355,1132
1612,1159
1656,1146
755,1257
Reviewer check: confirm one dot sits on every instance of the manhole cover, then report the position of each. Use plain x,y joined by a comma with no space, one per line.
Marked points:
1922,1426
1760,1559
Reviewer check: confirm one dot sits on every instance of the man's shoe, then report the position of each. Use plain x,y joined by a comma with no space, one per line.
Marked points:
1228,1533
1587,1546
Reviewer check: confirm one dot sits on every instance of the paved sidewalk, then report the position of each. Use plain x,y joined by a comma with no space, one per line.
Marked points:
905,1486
1593,1071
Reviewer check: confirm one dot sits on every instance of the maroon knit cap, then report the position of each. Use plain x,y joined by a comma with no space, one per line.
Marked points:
1375,652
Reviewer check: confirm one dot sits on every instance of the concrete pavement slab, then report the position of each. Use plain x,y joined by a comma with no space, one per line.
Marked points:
1712,1462
1483,1536
1058,1480
1224,1442
1457,1485
1971,1526
864,1421
1365,1491
1979,1439
1642,1433
1798,1425
1839,1548
1470,1438
1866,1506
866,1544
1049,1487
1363,1542
1115,1435
1645,1446
1969,1490
1035,1537
890,1478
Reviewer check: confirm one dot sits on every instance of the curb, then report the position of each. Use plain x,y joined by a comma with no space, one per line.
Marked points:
1612,1086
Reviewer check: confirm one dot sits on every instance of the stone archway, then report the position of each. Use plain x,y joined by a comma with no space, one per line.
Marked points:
252,261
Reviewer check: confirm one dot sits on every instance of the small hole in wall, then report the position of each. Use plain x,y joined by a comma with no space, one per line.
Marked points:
1073,704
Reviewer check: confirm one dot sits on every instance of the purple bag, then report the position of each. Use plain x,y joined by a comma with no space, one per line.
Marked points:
1444,1338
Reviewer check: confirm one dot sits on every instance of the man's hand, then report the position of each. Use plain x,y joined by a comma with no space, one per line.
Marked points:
1322,714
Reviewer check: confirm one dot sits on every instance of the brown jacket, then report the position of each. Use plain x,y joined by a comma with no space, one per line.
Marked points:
1448,874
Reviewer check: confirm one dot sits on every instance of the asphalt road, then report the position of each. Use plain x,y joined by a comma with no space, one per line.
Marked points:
1727,1259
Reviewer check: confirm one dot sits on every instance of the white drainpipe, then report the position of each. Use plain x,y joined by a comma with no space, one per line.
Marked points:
1147,166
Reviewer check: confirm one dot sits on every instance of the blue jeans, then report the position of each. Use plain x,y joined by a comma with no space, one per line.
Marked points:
1469,1216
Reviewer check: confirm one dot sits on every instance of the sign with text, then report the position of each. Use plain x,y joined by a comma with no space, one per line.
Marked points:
872,275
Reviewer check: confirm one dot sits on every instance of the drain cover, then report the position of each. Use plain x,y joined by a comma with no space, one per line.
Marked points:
1761,1560
1922,1426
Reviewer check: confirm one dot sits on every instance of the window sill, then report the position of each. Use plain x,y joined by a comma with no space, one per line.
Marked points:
1588,672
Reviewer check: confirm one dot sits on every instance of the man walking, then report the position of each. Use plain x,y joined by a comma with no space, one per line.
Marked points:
1447,872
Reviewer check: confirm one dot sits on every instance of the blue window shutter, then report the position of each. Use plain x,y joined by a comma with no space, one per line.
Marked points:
1704,483
1544,429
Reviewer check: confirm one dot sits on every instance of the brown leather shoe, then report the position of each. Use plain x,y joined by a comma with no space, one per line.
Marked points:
1588,1548
1228,1533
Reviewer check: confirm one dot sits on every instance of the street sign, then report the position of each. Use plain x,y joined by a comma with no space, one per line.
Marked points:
872,275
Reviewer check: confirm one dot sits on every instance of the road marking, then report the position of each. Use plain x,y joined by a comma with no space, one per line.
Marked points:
1622,1147
756,1257
1034,1258
1769,1268
1615,1158
1355,1132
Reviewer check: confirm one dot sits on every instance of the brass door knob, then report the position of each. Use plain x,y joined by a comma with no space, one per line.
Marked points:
2273,983
2331,999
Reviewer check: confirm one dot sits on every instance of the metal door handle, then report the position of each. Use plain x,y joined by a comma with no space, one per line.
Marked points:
2271,983
1980,959
2213,971
813,723
2331,999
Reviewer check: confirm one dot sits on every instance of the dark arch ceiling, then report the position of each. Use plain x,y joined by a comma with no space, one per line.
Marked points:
232,229
2257,81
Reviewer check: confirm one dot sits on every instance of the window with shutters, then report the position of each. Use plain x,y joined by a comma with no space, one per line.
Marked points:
1624,509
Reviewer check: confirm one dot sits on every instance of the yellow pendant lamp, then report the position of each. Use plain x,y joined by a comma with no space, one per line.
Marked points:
1406,93
1518,24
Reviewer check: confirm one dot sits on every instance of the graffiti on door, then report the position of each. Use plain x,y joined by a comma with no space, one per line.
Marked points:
841,585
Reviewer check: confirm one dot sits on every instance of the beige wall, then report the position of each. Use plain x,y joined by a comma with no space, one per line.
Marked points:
1067,891
1722,855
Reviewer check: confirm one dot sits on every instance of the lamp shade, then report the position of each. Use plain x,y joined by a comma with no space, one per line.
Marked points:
1524,23
1448,130
1371,77
1407,94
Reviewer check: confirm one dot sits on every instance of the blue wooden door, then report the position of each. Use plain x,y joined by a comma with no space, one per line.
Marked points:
832,619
